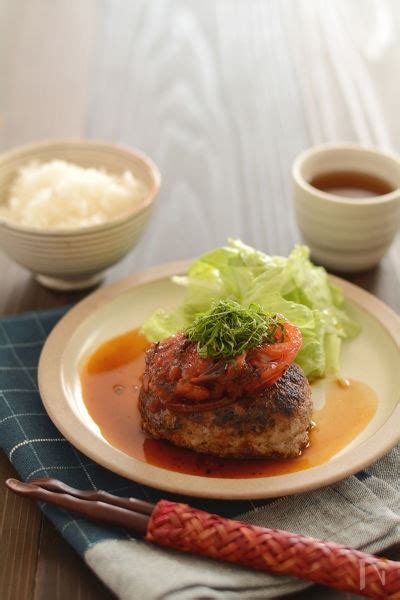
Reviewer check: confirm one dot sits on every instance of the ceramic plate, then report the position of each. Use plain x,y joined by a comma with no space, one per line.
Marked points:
373,357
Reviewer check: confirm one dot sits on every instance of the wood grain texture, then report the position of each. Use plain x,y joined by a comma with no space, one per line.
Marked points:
20,524
222,94
62,574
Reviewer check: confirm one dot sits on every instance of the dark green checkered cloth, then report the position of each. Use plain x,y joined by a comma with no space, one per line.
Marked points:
363,511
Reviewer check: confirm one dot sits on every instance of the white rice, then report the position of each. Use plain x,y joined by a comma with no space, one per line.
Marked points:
61,195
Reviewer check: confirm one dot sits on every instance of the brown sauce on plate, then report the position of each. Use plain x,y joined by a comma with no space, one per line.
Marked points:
111,382
351,184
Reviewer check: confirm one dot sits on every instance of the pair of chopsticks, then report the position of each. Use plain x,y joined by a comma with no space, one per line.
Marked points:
96,505
181,527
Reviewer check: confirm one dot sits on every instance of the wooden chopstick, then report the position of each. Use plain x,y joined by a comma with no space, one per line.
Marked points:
99,510
54,485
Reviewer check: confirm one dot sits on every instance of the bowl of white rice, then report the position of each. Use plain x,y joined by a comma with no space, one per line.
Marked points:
70,209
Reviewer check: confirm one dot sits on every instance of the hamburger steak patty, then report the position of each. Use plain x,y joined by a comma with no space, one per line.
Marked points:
270,422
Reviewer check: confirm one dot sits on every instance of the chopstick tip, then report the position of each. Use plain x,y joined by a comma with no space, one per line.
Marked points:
13,484
19,486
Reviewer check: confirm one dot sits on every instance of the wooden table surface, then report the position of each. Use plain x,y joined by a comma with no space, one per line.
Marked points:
222,94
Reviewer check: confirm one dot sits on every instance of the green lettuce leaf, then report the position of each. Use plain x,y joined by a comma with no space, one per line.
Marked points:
292,286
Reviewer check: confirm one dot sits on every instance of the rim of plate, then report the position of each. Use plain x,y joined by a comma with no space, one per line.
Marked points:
87,441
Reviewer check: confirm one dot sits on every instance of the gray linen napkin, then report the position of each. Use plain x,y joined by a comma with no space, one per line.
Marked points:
362,511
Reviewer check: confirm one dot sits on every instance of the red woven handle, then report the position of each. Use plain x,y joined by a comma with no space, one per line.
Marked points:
190,530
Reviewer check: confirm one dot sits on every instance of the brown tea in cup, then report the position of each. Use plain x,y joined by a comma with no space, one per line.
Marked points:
351,184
